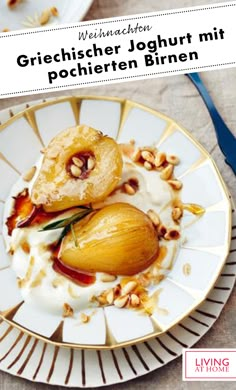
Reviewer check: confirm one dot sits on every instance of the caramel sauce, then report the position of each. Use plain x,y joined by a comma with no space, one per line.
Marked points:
194,208
79,277
25,213
55,249
25,247
153,301
23,208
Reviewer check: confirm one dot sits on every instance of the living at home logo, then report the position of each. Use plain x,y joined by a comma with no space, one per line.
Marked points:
209,364
212,364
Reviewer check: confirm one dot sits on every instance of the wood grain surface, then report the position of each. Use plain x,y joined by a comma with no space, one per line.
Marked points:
176,97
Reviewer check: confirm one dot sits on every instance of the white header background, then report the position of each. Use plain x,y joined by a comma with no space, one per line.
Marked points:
213,54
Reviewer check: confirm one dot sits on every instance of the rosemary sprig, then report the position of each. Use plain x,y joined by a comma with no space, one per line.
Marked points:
73,234
67,223
61,223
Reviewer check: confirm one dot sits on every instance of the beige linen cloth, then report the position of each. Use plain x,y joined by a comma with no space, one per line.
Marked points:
176,97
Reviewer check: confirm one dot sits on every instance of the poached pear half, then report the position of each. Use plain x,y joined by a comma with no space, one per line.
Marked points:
118,239
80,166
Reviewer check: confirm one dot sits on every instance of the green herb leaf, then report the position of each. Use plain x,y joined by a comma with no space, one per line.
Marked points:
62,223
63,233
67,224
73,234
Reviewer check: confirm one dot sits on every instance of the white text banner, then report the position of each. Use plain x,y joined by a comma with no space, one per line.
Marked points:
118,49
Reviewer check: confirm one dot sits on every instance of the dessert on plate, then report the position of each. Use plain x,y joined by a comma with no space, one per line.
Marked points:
95,223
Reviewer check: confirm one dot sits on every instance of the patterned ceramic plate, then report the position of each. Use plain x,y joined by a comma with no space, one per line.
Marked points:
27,13
207,240
24,355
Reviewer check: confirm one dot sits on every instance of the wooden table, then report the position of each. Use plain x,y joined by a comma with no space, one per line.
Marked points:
176,97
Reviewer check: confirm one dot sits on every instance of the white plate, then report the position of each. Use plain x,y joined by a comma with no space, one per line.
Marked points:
207,242
69,11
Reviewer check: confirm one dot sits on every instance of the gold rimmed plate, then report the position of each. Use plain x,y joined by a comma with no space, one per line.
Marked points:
207,240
